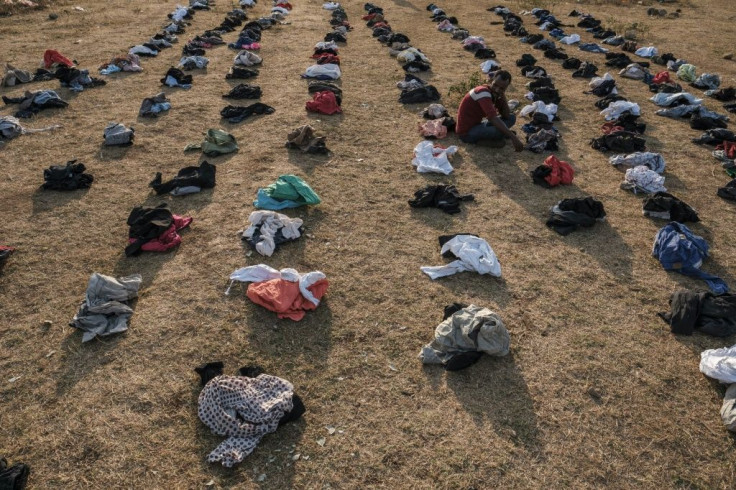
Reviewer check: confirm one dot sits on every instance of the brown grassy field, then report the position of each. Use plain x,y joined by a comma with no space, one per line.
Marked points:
595,393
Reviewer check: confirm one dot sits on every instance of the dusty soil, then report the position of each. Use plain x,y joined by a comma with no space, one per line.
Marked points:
596,391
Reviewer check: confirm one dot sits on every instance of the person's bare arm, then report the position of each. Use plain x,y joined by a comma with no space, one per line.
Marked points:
502,106
498,124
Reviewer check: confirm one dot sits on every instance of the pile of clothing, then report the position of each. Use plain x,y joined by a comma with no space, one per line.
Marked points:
269,229
569,215
154,229
116,134
106,308
464,335
553,172
442,196
67,177
189,180
216,142
33,102
244,408
236,114
304,138
286,292
153,106
429,157
289,191
471,253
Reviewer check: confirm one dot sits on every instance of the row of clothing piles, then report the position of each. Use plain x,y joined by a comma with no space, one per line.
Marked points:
325,72
675,246
670,95
245,63
414,90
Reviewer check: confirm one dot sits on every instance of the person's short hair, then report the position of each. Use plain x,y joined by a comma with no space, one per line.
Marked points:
503,75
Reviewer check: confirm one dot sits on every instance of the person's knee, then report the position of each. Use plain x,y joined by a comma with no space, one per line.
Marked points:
465,138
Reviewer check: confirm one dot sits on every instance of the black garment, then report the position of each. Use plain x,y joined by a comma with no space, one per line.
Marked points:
33,108
728,191
189,50
397,37
418,95
278,238
663,59
534,38
526,60
67,75
67,177
715,137
571,64
630,123
178,75
604,89
244,91
619,61
570,214
604,102
485,54
202,177
603,34
460,34
336,37
147,223
725,94
540,82
237,72
236,114
586,70
43,75
620,142
547,95
443,196
730,107
555,54
209,371
702,311
663,205
533,71
666,88
321,86
417,65
381,31
589,22
704,122
14,477
325,51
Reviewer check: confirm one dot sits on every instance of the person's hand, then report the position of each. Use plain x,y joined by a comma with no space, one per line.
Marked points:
518,145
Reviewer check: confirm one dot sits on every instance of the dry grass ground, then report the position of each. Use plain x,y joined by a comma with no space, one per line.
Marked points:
595,393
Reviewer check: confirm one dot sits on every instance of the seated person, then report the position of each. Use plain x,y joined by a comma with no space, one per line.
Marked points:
488,101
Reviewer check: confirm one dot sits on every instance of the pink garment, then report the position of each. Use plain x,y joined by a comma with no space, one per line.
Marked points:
168,239
251,47
661,77
433,129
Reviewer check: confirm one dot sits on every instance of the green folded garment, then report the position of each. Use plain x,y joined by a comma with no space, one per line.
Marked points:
216,142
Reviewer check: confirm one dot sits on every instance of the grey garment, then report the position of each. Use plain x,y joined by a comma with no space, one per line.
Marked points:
173,82
614,40
634,71
537,142
642,180
728,409
117,134
708,81
105,308
192,62
666,100
675,65
140,49
187,189
152,106
9,128
160,43
711,114
14,76
471,329
678,111
654,161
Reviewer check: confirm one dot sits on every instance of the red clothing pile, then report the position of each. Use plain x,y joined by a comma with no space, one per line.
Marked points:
553,173
729,149
662,77
52,57
168,239
324,102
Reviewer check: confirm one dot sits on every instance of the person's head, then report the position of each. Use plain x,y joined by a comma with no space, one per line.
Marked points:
499,81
